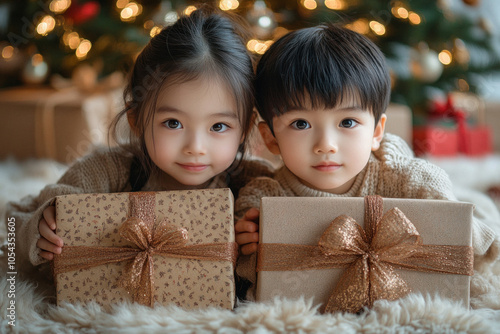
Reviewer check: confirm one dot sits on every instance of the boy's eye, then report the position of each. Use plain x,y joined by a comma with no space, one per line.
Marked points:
219,127
301,124
348,123
173,124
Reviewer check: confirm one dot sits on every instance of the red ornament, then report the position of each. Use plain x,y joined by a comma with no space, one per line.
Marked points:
82,13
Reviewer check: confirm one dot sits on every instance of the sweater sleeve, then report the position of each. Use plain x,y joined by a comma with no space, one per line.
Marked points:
248,170
404,176
103,171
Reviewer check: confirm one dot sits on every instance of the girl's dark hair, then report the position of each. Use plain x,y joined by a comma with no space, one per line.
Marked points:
208,43
318,67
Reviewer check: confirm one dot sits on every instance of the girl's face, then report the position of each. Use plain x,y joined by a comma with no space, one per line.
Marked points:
195,131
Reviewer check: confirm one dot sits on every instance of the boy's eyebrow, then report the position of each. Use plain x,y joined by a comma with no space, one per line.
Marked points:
165,109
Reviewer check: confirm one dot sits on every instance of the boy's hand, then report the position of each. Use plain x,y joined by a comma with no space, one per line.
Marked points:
49,243
247,232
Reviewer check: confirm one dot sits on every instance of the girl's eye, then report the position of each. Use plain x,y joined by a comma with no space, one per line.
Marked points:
348,123
301,124
173,124
219,127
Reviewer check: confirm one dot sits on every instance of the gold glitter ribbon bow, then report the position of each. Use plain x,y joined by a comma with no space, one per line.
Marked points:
370,257
149,239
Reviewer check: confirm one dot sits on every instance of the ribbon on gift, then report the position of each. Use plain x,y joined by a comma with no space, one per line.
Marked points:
149,238
448,110
369,256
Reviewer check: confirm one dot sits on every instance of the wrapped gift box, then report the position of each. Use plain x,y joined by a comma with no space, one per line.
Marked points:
41,122
291,228
435,141
149,247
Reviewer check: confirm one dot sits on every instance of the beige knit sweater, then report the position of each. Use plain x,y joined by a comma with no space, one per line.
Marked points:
104,171
392,171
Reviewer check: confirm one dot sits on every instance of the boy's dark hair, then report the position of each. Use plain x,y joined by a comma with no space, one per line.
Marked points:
318,67
208,43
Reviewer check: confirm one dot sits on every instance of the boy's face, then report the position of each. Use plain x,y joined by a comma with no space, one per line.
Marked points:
325,148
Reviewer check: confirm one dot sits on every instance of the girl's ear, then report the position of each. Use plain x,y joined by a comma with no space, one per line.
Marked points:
378,134
132,121
269,139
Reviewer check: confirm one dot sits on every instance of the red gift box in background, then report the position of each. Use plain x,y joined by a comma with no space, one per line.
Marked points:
447,132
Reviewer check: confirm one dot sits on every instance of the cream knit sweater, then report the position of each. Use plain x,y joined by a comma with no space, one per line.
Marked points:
104,171
392,171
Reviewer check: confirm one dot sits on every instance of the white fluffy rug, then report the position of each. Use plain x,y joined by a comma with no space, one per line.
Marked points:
34,312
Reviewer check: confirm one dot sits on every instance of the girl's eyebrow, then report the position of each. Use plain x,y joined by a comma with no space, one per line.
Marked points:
226,114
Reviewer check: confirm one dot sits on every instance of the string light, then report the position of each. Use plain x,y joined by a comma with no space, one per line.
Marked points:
189,10
463,85
414,18
155,31
171,18
46,25
59,6
257,46
83,49
71,39
120,4
309,4
36,60
130,12
335,4
360,26
8,52
402,13
229,4
377,27
445,57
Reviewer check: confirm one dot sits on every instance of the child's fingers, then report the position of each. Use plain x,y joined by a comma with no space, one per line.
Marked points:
47,233
47,255
248,249
245,226
49,214
247,238
47,246
252,214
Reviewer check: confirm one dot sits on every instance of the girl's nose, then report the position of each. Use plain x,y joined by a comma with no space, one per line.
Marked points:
195,145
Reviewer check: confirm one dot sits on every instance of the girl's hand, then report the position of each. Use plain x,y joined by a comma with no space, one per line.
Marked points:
49,243
247,232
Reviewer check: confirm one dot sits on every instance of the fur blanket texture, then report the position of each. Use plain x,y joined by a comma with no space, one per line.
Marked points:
35,311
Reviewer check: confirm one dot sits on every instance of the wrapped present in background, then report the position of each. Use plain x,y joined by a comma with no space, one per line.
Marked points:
454,128
61,124
149,247
316,247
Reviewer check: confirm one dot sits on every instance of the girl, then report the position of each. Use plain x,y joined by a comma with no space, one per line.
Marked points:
189,106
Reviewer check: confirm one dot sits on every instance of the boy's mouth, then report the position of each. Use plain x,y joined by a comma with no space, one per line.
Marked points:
327,166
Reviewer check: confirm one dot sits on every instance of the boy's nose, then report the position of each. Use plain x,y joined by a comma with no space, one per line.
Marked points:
325,143
195,145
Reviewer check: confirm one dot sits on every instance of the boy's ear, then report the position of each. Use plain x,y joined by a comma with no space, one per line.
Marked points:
269,139
378,134
132,121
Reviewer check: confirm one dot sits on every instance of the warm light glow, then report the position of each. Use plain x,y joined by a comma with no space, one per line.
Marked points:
7,52
46,25
136,8
83,49
377,27
71,39
402,12
335,4
310,4
149,24
126,13
155,31
36,60
414,18
120,4
251,44
130,11
463,85
189,10
59,6
259,47
445,57
360,26
171,18
228,4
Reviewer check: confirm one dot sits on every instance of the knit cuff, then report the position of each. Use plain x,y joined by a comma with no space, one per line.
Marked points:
482,237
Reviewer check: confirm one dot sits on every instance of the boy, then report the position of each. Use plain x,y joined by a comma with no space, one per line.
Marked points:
322,93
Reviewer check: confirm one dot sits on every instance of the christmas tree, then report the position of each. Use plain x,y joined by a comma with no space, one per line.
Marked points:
429,47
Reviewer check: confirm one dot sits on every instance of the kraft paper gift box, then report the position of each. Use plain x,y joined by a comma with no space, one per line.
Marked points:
42,122
149,247
302,253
